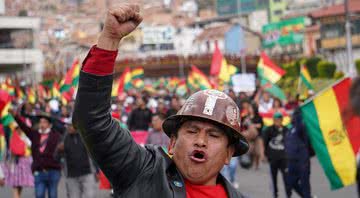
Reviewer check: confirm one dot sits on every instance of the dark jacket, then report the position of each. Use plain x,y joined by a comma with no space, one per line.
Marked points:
297,144
139,119
47,159
77,159
274,142
134,171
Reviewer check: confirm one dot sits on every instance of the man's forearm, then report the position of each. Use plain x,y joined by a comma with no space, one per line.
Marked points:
107,43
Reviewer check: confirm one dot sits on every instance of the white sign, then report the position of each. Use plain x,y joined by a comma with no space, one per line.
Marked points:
243,82
257,19
158,34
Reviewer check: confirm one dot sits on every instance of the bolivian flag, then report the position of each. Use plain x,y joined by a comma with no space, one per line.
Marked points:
267,69
305,77
71,78
122,84
137,73
333,133
31,96
181,89
268,118
198,80
5,102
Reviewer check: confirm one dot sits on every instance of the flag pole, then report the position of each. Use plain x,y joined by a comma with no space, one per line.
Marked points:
299,81
323,90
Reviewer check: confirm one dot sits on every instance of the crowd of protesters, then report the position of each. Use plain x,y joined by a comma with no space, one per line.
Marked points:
54,148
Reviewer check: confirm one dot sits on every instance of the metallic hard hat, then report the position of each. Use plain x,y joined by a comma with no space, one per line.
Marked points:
213,106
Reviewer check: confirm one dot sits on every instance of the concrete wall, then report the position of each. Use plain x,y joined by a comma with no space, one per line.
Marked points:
33,57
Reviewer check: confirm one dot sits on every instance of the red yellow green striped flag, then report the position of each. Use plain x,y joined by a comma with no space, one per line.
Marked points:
269,120
267,69
333,134
5,102
71,78
6,86
138,83
31,96
173,83
305,77
19,93
198,80
181,89
137,73
55,90
122,84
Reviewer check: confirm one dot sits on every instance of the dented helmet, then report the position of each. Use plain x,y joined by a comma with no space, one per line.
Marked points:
215,107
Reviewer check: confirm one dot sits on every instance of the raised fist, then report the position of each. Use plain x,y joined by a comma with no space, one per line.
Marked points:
120,21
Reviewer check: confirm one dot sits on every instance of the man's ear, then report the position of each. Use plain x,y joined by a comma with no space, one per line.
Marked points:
230,152
171,148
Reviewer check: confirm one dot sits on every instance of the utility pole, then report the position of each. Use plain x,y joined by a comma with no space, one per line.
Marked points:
350,61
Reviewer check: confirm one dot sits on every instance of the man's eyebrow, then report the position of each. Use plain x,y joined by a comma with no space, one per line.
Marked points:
193,126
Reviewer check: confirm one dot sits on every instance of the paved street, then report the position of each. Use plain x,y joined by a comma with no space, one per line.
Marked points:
252,183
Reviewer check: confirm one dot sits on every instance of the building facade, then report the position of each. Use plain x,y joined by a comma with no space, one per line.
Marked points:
19,47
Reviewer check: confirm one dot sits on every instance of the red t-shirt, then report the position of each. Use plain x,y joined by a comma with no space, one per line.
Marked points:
198,191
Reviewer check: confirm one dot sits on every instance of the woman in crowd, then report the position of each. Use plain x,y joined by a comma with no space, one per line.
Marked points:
17,167
254,121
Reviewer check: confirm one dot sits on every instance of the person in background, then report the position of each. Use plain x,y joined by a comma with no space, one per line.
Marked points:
17,167
44,141
298,154
265,103
278,107
174,106
161,108
79,170
274,144
156,135
255,120
292,103
140,118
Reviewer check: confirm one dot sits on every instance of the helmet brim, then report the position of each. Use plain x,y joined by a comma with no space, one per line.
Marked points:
173,123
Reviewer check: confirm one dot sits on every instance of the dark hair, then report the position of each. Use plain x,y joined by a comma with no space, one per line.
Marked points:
277,100
160,115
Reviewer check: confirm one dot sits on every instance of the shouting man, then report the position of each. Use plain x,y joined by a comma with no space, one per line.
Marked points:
204,134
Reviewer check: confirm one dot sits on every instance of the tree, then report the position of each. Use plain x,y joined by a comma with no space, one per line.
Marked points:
311,64
326,69
357,64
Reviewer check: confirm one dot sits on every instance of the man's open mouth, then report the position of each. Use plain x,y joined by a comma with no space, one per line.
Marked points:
198,156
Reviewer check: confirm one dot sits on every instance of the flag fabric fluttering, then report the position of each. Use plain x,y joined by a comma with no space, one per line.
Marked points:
181,89
5,103
305,77
71,79
198,80
273,89
267,69
217,61
220,67
333,135
138,83
123,83
137,73
31,95
268,118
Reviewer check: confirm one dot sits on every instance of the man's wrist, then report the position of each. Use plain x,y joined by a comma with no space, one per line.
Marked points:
108,43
